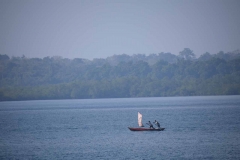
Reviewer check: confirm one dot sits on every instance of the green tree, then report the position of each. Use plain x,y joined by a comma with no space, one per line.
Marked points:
187,54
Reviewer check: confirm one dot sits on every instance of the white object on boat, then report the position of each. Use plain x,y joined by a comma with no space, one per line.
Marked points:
140,120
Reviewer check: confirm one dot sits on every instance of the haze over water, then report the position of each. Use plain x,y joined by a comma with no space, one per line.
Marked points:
196,128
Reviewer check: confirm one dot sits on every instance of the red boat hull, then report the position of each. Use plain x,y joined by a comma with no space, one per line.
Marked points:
146,129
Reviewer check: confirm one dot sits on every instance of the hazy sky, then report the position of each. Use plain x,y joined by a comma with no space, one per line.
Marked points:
101,28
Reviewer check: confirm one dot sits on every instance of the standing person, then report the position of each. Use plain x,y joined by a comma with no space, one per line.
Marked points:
157,124
150,125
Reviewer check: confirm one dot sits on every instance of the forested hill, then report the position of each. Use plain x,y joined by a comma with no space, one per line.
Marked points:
155,75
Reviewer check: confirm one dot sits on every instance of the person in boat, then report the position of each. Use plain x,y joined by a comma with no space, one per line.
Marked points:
157,123
150,125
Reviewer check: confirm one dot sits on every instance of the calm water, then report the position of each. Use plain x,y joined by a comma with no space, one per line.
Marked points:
196,128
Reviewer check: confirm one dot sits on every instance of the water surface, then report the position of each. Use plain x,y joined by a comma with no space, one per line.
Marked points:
196,128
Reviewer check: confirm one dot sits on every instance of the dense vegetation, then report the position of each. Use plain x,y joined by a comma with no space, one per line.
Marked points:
162,74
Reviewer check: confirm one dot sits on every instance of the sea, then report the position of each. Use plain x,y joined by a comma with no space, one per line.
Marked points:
199,127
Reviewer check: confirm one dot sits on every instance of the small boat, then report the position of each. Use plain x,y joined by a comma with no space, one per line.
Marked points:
141,127
146,129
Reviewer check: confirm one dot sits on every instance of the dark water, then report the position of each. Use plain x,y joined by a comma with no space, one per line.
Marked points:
196,128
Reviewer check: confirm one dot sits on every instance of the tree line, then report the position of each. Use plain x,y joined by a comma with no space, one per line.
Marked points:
118,76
